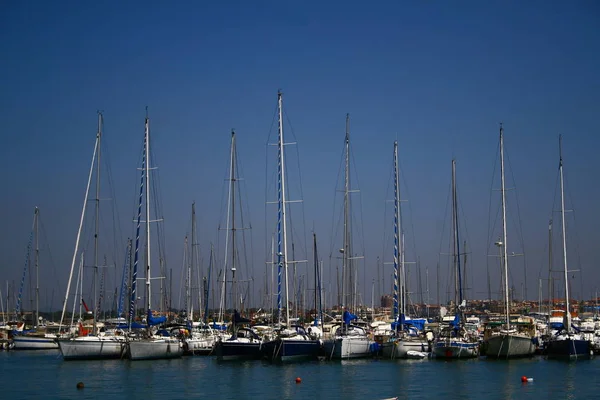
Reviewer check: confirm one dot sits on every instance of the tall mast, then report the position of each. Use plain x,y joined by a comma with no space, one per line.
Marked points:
550,278
397,229
76,250
504,252
37,274
346,268
97,225
192,265
232,180
147,143
281,220
564,236
232,193
457,277
188,278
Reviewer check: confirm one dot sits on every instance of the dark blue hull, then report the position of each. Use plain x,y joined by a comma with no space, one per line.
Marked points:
231,350
290,350
568,349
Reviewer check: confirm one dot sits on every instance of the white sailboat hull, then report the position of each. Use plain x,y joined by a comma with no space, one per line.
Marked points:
199,345
400,348
348,347
155,349
509,346
92,348
34,343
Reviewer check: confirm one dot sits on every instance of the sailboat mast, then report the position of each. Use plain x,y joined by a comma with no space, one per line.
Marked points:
192,265
454,233
564,236
396,228
188,278
97,225
504,252
147,143
233,249
37,271
550,278
457,280
346,268
281,223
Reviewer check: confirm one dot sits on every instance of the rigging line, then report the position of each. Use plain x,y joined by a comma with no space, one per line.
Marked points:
520,227
334,231
304,248
52,264
243,208
574,232
410,210
269,187
491,228
118,237
386,232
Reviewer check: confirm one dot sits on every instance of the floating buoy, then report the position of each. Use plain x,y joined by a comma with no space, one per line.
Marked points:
79,385
298,380
529,379
523,378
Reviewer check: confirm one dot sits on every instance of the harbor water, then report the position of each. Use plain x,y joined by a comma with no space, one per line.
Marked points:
44,374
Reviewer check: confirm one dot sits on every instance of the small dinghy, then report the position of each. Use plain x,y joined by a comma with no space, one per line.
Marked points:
415,355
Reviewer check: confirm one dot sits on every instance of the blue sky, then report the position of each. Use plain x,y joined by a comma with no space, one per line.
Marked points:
436,76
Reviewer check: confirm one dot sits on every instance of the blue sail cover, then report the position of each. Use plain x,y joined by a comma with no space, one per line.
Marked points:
155,320
417,323
456,321
217,326
348,316
400,321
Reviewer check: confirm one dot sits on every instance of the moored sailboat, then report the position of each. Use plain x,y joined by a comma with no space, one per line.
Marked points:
291,342
454,341
94,344
512,340
151,346
400,343
40,338
349,341
568,343
243,343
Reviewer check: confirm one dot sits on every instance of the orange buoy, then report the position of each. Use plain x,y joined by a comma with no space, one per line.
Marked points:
298,380
523,378
79,385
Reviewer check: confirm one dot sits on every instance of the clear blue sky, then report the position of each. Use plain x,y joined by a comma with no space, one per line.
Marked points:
438,76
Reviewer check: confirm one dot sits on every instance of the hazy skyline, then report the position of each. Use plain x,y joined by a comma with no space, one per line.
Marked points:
437,77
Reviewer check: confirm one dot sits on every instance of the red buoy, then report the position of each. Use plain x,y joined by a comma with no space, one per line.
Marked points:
523,378
298,380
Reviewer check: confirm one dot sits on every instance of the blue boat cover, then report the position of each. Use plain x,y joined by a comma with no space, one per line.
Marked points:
348,316
155,320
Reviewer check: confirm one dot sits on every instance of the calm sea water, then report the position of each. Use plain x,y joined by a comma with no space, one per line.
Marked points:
45,375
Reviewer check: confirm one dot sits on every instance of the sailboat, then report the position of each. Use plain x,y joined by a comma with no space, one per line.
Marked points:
291,342
94,344
244,343
38,339
152,346
454,341
202,337
400,343
349,341
568,343
512,340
